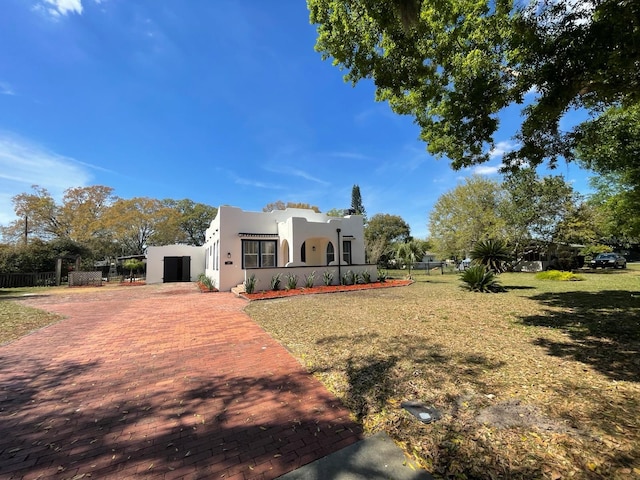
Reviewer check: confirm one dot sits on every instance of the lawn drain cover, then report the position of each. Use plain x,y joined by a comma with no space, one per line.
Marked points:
422,412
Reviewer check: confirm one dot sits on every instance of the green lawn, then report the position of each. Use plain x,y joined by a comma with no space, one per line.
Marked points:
18,320
541,381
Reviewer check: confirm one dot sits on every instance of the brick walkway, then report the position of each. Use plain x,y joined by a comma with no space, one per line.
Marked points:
159,382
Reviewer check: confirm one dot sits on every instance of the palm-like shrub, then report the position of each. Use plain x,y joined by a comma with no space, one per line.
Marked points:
208,282
310,279
275,281
133,265
493,254
409,253
478,278
250,284
292,281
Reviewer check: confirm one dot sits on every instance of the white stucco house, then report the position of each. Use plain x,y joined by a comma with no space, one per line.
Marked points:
263,244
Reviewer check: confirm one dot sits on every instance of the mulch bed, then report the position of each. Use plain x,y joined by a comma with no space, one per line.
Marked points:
269,294
204,289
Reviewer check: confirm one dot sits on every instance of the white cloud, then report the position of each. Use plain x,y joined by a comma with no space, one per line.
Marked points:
238,180
282,168
59,8
6,89
503,147
23,164
486,170
306,176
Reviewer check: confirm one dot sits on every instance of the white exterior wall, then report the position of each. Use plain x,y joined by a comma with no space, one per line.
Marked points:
290,227
263,276
155,260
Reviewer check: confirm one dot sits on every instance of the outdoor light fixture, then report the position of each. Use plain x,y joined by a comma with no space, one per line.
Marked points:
313,248
228,254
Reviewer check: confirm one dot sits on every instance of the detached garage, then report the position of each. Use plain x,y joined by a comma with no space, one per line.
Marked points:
174,263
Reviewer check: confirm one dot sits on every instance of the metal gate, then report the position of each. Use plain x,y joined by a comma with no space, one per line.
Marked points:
177,269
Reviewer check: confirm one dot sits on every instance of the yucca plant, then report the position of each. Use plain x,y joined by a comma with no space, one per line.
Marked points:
348,278
292,281
493,254
382,276
250,284
275,281
309,280
208,282
327,277
478,279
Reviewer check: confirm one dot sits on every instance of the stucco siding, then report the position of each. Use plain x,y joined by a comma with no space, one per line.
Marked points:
155,260
290,228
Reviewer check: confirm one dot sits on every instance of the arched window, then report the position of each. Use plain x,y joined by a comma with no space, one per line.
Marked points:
331,256
303,252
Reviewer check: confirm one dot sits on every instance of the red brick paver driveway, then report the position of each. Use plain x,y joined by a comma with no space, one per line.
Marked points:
159,382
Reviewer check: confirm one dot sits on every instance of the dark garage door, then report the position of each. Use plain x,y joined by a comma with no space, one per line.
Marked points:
177,269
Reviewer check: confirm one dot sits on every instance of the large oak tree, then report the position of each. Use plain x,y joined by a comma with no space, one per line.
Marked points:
454,65
465,215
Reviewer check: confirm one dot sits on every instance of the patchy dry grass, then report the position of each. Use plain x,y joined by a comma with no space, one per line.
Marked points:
18,320
542,381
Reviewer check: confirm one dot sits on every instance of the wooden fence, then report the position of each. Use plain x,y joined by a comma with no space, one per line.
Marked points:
41,279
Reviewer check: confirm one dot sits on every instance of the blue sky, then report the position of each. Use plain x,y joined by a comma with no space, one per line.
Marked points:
224,102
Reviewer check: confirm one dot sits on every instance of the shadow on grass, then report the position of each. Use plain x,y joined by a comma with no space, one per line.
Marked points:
603,329
373,380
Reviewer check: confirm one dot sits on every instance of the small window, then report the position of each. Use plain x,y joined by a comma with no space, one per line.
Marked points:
267,254
250,253
258,253
346,252
331,256
303,252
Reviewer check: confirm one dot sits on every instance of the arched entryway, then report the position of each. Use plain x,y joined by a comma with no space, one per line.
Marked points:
284,252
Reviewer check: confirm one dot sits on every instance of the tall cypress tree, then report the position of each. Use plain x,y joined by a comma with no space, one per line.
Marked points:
356,202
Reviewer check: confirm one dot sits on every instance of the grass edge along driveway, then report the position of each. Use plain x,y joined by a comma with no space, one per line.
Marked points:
542,381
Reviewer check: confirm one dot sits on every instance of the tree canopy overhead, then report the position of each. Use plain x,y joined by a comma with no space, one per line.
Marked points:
453,65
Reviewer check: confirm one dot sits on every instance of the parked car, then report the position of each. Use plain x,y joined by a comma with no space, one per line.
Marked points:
612,260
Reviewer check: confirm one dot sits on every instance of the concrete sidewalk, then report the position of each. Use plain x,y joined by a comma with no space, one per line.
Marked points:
374,458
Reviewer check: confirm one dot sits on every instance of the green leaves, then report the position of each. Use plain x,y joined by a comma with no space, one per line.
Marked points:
478,279
493,254
465,215
453,65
